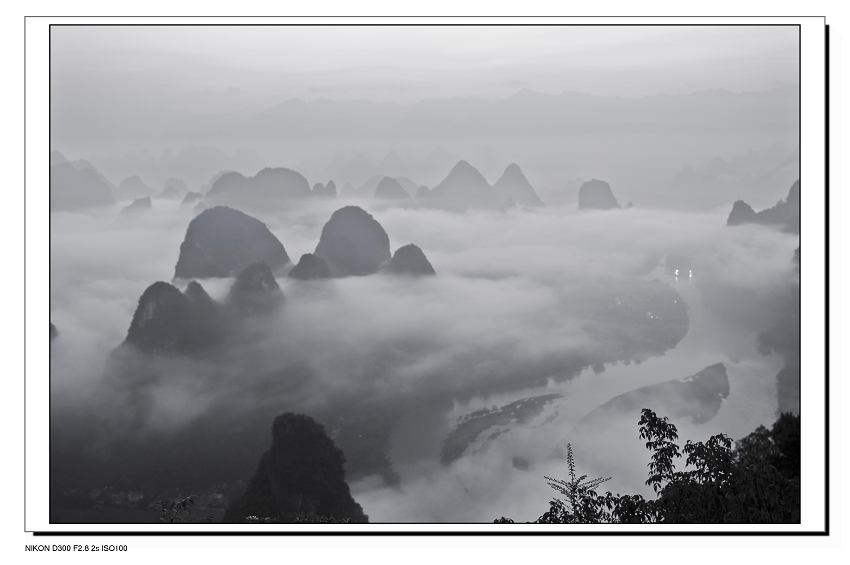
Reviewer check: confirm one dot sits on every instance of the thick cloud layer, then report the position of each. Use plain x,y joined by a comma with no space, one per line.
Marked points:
513,311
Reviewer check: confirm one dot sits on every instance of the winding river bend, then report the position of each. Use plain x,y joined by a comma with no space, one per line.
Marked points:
613,449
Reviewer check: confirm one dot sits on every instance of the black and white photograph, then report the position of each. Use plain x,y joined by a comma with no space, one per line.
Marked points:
439,274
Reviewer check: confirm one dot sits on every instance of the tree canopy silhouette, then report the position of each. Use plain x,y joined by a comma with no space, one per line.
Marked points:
756,482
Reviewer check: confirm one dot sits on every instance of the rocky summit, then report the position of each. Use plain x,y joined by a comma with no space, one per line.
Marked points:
353,243
222,242
410,260
596,195
310,267
302,474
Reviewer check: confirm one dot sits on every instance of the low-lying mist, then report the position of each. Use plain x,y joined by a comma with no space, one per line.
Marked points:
524,303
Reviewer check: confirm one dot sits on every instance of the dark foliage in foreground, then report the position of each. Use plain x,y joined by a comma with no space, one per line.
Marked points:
757,482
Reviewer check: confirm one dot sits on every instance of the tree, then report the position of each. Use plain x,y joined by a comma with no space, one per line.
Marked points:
756,482
579,506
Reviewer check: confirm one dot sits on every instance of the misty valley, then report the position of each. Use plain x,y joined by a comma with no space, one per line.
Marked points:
396,352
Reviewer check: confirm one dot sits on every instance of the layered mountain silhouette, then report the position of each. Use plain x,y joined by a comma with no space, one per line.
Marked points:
408,185
513,186
174,189
365,190
326,192
390,192
466,189
200,207
177,184
742,213
138,205
76,189
390,189
221,242
270,186
596,195
56,158
410,260
463,189
168,321
786,213
192,197
255,291
169,193
310,267
353,243
206,187
134,187
528,113
744,176
369,188
302,473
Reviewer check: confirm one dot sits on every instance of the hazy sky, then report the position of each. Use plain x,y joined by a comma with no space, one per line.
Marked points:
241,65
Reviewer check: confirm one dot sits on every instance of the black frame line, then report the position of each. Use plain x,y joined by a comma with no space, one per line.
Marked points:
452,533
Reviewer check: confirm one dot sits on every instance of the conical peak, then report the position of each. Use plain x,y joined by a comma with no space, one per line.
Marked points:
466,173
513,170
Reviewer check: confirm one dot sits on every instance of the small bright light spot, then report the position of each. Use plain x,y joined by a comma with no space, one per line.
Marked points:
677,272
690,273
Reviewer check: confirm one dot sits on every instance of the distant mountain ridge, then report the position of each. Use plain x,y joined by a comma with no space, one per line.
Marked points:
364,126
75,187
786,213
465,188
277,185
528,109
